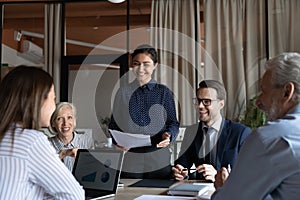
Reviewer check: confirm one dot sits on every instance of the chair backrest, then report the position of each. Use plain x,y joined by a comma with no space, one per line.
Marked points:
47,132
181,133
86,134
87,131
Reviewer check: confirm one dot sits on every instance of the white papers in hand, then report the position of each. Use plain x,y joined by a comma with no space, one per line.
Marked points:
129,140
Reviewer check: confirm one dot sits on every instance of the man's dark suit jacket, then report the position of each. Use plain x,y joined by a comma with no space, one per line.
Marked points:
229,144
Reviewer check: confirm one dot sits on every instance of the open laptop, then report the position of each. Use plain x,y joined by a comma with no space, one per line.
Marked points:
98,171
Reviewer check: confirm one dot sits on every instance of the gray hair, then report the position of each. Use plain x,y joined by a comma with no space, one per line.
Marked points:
60,106
285,68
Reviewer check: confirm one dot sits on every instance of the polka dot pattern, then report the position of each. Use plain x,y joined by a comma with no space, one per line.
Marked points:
147,109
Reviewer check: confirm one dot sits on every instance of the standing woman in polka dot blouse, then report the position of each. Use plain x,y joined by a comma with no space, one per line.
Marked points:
146,107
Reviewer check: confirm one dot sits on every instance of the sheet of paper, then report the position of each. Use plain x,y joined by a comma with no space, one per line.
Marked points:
129,140
162,197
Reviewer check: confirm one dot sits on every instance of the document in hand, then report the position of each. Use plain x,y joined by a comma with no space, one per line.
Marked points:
129,140
188,189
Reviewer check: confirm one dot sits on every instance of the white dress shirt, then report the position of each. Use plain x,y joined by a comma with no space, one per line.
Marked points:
83,141
213,133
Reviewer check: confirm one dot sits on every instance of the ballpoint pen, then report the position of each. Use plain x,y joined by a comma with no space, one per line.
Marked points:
229,168
184,169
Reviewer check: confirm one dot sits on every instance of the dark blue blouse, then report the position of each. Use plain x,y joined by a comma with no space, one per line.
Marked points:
148,109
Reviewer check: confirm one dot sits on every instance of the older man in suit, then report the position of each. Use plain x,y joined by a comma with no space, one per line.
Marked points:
212,143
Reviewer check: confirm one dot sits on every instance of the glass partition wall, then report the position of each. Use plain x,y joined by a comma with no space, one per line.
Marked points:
86,27
22,35
91,39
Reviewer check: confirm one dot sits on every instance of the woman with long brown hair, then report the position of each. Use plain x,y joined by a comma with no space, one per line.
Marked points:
29,166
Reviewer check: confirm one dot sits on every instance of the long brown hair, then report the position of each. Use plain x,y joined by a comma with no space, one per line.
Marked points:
22,93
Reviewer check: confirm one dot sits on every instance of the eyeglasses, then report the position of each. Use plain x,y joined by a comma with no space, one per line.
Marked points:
206,102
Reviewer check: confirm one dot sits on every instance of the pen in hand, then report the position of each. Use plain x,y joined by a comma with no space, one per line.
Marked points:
184,173
229,168
180,172
184,169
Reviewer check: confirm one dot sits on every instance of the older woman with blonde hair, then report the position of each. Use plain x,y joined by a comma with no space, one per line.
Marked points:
67,141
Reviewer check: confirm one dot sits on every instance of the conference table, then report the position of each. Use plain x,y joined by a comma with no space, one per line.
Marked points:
129,193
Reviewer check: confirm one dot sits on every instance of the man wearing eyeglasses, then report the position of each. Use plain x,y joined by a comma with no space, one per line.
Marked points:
212,143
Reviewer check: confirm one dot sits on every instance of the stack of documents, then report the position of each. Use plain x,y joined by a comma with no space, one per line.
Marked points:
188,189
204,194
162,197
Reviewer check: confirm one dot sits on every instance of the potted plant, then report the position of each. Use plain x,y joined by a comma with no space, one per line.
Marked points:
253,117
104,125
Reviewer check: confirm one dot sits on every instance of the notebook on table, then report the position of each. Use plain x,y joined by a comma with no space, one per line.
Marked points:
98,171
188,189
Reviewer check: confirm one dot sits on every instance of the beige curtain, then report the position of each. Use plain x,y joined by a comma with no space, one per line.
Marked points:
254,49
175,30
236,45
235,48
284,26
52,43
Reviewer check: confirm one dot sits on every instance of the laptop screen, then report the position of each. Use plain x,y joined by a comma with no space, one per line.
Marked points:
98,170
